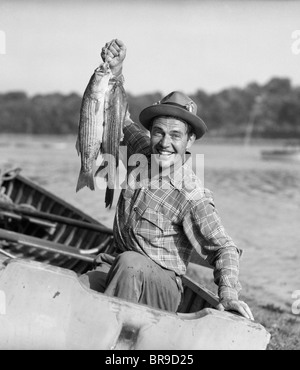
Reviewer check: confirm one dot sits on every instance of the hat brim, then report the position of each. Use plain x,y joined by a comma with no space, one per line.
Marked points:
147,115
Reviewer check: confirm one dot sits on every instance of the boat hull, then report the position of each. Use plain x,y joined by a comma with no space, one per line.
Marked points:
46,307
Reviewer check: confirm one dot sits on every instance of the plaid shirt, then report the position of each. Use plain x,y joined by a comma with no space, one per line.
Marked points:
165,217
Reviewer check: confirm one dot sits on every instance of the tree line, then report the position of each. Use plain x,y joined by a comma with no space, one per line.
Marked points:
271,110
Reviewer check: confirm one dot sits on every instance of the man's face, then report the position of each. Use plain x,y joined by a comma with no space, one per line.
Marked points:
169,140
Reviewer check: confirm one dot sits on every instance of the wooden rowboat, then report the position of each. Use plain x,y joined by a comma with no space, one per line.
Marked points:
45,243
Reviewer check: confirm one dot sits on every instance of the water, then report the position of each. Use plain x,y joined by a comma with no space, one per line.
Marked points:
258,201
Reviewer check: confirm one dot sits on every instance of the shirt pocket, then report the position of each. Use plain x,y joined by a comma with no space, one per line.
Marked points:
152,225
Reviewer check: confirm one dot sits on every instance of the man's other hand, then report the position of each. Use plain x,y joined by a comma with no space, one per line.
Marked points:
235,305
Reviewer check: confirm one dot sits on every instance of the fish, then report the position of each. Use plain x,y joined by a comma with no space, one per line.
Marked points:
90,128
115,109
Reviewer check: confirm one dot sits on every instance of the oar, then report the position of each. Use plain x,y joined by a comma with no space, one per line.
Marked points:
47,224
33,242
56,218
7,254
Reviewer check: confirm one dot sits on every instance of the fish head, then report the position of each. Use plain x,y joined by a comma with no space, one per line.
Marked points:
103,69
100,76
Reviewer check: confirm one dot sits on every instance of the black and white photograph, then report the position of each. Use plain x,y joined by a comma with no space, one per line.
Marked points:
149,177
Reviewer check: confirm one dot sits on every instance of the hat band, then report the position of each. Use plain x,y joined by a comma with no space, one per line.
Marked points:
188,107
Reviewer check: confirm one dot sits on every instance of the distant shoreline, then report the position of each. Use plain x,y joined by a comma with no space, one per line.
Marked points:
207,140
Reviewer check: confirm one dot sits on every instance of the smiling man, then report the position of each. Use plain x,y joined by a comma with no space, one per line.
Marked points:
160,221
170,138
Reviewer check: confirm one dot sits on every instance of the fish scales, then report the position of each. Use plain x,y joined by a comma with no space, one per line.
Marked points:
114,114
91,125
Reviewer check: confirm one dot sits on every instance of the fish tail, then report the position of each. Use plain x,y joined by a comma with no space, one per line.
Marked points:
85,179
109,197
101,168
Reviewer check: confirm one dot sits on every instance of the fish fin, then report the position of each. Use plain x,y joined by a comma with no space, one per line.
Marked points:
100,168
109,197
85,179
126,113
77,146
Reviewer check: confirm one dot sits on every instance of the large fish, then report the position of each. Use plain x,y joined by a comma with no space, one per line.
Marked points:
115,108
90,128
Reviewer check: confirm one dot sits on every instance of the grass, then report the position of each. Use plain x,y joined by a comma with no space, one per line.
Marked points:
282,324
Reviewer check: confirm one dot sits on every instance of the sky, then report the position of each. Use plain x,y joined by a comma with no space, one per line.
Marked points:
51,46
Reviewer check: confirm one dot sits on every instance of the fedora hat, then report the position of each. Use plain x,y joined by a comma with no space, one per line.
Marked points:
175,104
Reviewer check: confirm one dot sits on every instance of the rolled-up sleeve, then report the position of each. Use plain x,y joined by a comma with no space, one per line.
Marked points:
203,228
135,138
